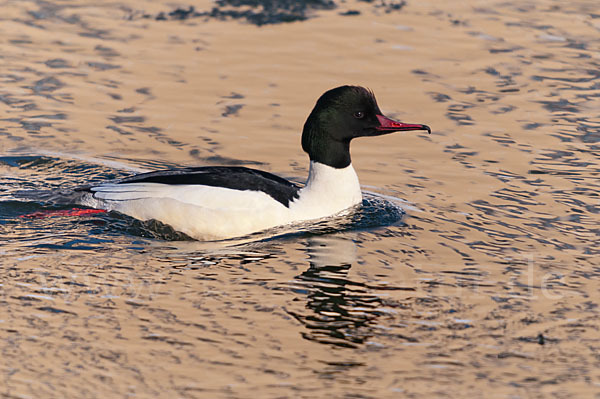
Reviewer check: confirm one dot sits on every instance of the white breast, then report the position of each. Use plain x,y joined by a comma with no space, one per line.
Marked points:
327,191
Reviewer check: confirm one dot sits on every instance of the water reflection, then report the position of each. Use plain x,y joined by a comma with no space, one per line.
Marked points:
343,311
501,251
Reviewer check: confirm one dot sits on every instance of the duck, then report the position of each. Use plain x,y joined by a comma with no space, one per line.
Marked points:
223,202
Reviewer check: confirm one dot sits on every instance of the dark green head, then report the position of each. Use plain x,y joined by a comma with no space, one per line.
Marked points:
340,115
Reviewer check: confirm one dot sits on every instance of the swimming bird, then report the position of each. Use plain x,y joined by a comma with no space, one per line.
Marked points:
218,202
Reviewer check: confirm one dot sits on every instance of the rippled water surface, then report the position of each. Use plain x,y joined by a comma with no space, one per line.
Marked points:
471,269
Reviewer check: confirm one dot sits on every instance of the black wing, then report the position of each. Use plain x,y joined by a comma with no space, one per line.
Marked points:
233,177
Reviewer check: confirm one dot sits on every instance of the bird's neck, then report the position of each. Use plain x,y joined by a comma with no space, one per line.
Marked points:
323,176
330,190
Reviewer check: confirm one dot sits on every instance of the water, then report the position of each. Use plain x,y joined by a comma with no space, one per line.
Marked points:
472,268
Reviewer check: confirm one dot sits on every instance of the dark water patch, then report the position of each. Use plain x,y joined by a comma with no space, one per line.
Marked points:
21,41
256,12
521,197
51,173
461,156
102,34
75,244
532,126
390,6
27,298
57,63
119,130
497,219
127,110
55,310
590,130
178,14
127,119
504,140
31,126
425,74
47,85
10,210
60,116
440,97
503,110
52,11
455,113
149,164
583,75
24,160
11,78
106,51
157,133
102,66
267,12
586,130
234,96
132,123
560,106
19,103
232,109
492,71
145,91
577,45
226,161
556,160
504,50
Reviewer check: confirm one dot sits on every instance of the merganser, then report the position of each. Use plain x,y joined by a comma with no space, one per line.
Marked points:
209,203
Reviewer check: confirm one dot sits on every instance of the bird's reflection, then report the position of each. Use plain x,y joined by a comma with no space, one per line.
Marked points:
342,311
334,307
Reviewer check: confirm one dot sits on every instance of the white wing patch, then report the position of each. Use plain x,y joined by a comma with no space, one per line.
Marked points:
126,192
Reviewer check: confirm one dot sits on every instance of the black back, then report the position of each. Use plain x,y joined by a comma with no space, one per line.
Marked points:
233,177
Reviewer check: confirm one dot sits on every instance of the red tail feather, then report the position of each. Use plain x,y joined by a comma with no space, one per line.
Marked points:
62,212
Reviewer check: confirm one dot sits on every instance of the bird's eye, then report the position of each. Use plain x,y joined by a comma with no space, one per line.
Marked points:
359,115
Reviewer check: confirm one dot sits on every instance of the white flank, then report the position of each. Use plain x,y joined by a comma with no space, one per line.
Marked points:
205,212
